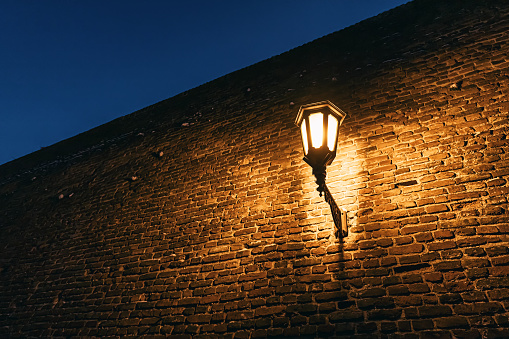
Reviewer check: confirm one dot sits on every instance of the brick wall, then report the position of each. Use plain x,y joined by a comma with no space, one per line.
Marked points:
196,217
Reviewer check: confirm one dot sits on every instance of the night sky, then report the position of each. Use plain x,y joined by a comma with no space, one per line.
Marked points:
67,66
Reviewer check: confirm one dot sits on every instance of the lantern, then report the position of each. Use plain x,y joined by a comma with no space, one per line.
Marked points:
319,124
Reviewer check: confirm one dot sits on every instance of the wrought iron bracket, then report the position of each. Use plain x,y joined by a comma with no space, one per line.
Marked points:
338,215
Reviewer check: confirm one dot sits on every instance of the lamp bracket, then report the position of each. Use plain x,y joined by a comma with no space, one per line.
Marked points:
338,215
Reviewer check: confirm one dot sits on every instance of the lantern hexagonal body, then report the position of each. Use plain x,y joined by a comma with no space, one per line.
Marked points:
319,124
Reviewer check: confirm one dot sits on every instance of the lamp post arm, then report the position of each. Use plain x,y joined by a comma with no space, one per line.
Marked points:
338,215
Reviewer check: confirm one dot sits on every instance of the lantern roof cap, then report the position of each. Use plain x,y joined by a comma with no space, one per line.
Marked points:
318,105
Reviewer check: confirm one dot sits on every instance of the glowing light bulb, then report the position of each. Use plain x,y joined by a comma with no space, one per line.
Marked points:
316,127
332,128
304,135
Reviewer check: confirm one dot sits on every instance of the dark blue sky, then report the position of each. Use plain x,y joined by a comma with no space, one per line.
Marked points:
67,66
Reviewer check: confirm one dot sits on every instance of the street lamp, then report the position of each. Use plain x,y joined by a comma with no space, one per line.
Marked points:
319,124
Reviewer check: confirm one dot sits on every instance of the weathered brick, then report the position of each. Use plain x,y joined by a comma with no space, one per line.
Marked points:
476,273
448,265
500,294
436,208
434,311
472,241
398,290
266,311
408,300
424,324
329,296
452,322
451,298
497,250
443,234
499,271
372,292
406,249
438,246
345,316
376,302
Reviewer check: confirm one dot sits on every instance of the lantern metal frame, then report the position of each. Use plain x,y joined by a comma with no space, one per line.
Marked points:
320,157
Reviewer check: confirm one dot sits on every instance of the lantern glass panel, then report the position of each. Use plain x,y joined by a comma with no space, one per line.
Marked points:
304,135
332,126
316,127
